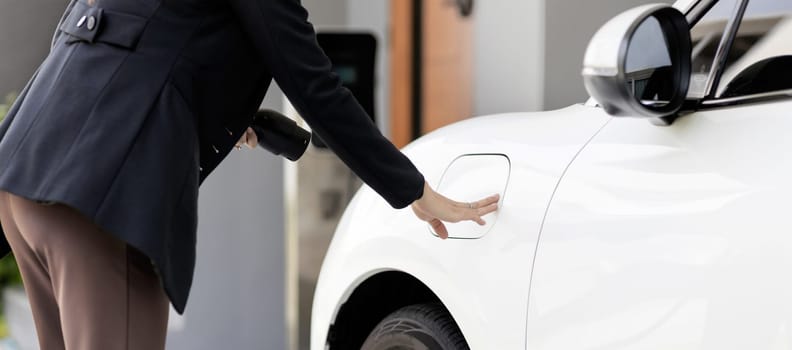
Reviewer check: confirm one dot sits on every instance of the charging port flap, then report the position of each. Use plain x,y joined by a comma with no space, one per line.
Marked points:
472,177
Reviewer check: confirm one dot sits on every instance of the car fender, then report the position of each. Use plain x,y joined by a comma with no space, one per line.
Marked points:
483,282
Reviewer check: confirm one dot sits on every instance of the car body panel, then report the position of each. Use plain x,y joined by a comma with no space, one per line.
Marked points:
671,237
372,237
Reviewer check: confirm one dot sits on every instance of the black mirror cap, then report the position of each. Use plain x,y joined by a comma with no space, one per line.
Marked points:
280,135
607,83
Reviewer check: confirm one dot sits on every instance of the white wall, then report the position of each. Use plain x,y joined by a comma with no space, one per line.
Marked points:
528,53
508,57
327,13
569,26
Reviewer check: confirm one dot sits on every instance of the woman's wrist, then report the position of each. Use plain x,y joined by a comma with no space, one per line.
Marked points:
422,194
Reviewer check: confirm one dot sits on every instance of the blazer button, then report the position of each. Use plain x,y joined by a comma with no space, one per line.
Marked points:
91,23
215,149
81,21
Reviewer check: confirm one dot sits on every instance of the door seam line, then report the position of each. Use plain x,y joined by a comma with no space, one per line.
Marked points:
544,218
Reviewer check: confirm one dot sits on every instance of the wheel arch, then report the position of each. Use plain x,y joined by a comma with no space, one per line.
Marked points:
370,302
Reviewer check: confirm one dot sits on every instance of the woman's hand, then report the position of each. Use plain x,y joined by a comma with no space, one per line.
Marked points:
434,208
249,138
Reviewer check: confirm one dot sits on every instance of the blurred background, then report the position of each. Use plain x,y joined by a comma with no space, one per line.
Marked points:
265,223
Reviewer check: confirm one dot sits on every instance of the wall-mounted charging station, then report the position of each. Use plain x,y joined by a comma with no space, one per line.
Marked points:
353,56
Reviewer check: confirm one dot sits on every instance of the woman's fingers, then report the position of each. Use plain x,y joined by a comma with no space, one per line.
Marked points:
486,201
251,138
479,203
475,210
439,228
487,206
492,207
435,209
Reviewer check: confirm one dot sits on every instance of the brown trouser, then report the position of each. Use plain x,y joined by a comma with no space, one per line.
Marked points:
88,290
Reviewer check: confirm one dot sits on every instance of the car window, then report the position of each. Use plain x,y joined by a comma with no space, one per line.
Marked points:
764,34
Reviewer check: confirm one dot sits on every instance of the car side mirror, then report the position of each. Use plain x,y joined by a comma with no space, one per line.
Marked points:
638,64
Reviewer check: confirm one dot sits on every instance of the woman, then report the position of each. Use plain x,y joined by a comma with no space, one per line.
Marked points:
138,101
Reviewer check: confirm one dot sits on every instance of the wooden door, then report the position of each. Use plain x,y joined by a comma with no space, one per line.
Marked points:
437,53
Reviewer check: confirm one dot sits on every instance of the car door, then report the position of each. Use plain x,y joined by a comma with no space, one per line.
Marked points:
674,237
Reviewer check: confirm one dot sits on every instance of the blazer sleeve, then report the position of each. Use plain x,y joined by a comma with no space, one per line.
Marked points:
286,41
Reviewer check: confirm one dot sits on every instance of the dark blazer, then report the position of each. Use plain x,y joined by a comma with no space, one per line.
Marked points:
139,100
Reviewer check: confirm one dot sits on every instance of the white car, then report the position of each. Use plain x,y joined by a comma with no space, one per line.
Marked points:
658,215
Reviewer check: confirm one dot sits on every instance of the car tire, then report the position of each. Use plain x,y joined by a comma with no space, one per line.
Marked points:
417,327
